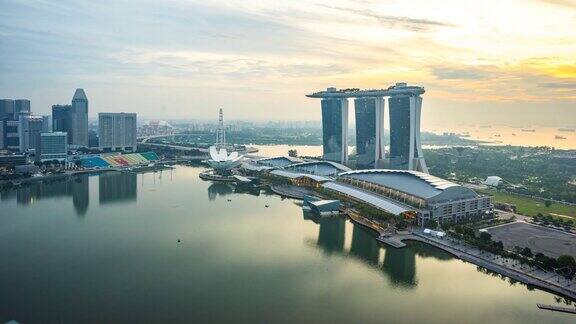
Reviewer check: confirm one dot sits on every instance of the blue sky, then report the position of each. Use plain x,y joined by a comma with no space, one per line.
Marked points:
479,61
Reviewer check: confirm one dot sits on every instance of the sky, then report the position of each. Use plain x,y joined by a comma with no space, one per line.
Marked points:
481,62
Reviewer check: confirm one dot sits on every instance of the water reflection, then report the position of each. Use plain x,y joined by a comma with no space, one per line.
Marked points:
76,187
80,195
364,246
117,187
219,189
113,187
331,235
399,264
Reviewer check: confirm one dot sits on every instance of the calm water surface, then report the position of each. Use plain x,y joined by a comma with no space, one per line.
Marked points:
104,249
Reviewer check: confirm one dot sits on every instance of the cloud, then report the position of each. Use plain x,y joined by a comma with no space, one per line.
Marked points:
563,3
400,22
559,85
463,73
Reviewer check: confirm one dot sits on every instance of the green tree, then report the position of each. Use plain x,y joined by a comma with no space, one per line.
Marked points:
527,252
293,153
547,203
485,237
432,223
566,261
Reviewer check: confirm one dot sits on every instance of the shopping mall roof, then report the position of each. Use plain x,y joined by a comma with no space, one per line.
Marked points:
296,175
367,197
414,183
278,161
323,168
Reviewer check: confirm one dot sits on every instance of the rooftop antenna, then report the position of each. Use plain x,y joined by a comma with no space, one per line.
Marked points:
221,132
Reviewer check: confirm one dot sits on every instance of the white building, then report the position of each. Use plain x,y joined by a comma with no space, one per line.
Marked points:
117,131
53,146
79,127
29,129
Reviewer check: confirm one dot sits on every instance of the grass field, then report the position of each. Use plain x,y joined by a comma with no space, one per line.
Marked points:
531,207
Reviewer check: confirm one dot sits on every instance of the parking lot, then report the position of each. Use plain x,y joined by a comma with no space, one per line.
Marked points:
550,242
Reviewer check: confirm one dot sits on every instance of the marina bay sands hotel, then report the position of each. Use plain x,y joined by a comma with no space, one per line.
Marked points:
404,106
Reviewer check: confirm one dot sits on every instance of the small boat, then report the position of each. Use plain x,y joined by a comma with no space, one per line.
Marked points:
559,137
266,206
529,130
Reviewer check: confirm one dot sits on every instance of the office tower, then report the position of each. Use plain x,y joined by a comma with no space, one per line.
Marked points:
117,131
52,146
21,106
335,129
29,129
2,134
405,146
369,113
46,124
6,109
79,125
62,119
11,135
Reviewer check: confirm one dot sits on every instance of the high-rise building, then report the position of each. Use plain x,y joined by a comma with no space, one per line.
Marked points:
117,131
335,129
2,134
79,114
405,146
52,146
62,119
11,135
29,129
47,123
6,109
369,113
21,106
405,109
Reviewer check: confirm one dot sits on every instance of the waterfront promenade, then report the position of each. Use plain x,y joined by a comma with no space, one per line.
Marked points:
509,267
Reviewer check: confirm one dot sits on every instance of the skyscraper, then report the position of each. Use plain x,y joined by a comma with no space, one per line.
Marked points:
405,146
6,109
335,129
62,120
369,113
29,130
117,131
79,126
405,109
21,106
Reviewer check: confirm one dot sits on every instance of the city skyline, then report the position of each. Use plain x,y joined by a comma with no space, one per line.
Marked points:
180,59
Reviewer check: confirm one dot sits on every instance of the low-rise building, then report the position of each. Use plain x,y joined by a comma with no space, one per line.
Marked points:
432,198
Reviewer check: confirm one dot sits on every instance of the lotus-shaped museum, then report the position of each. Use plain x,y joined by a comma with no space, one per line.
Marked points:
220,160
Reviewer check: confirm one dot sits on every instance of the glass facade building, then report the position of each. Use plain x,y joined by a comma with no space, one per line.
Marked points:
53,146
405,106
399,156
79,127
335,129
62,119
369,115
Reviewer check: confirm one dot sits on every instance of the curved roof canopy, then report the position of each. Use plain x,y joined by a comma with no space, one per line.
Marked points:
414,183
323,168
278,161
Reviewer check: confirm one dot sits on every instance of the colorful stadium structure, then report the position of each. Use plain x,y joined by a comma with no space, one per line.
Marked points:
118,161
